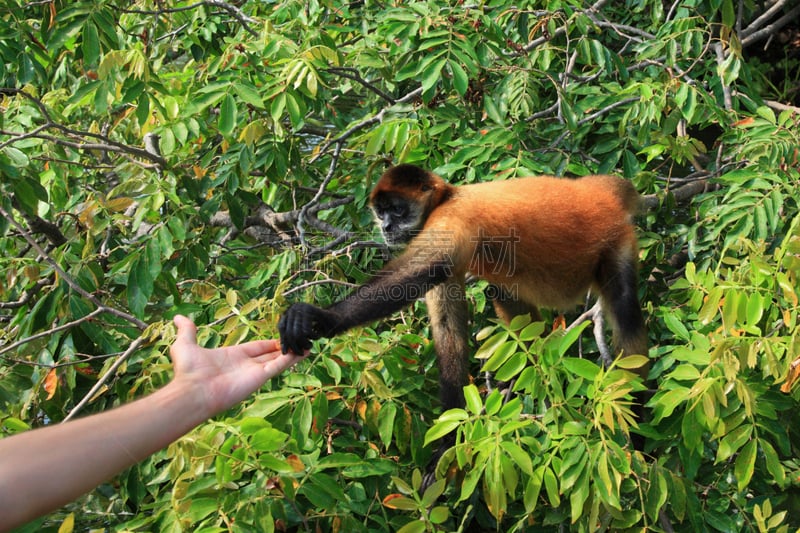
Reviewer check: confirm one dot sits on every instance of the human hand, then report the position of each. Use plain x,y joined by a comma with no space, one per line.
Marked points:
222,377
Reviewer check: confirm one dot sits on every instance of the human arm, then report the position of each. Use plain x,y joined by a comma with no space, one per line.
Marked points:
44,469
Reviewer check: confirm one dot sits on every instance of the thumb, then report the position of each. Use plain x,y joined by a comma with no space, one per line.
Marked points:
187,331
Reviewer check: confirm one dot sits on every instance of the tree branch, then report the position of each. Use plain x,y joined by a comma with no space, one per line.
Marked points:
102,381
595,314
7,348
366,122
98,141
773,28
67,278
234,11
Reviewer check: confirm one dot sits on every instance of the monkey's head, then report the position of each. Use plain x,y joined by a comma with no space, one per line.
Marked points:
402,200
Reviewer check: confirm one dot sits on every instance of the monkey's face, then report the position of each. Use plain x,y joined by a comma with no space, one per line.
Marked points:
399,218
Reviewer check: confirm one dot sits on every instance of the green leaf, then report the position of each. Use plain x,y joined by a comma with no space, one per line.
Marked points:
301,421
491,345
745,464
386,423
657,493
578,496
774,465
268,440
472,399
248,94
415,526
676,326
551,487
433,492
581,367
532,489
91,44
295,111
373,467
685,372
520,457
439,514
512,367
432,75
711,306
140,283
227,115
201,507
443,426
502,354
492,111
664,404
460,78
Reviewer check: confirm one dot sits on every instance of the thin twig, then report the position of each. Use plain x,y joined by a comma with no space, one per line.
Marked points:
100,142
102,381
51,331
234,11
301,216
66,277
366,122
352,74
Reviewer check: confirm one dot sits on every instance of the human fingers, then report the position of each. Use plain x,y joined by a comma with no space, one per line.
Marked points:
280,363
259,347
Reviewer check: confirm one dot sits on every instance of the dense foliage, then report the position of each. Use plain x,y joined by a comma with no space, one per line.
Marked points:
213,158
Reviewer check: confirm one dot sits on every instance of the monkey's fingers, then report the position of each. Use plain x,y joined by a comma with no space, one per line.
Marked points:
295,328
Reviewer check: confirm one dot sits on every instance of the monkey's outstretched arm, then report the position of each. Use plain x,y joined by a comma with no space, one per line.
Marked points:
401,282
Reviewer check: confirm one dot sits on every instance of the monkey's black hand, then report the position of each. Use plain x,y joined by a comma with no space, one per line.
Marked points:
301,324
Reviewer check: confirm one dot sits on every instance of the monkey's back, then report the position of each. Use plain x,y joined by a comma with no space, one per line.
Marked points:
541,238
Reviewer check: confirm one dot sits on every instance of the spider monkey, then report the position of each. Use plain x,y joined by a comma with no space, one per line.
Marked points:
539,241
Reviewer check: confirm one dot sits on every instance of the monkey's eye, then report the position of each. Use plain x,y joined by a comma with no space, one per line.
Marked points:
399,210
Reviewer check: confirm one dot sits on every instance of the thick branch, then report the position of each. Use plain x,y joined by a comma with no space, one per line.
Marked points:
773,28
765,17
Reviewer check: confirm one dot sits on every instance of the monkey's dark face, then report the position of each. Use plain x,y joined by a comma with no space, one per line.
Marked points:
399,218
